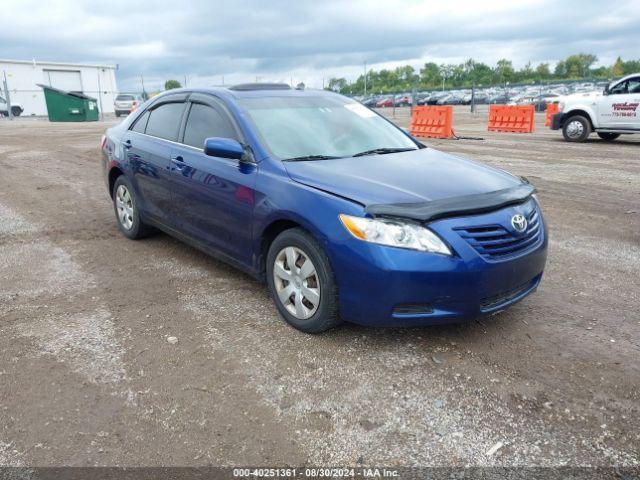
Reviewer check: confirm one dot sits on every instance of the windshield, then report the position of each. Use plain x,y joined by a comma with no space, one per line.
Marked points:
322,126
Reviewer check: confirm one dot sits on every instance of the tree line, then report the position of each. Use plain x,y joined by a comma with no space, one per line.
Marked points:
464,75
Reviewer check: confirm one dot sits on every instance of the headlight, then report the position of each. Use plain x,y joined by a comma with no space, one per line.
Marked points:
394,234
560,106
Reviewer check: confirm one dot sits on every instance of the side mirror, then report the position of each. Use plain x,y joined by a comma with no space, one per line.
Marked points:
224,148
606,89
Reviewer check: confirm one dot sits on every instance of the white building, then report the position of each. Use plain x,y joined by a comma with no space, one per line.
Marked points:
23,77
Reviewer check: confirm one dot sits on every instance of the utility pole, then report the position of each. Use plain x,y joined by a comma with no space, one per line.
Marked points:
365,79
144,93
185,79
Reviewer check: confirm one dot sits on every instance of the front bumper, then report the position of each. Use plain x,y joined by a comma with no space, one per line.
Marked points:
377,283
557,121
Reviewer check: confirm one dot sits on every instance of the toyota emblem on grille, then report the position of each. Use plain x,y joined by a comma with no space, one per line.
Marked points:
519,223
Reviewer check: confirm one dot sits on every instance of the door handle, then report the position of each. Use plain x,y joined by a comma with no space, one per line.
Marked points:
127,144
178,162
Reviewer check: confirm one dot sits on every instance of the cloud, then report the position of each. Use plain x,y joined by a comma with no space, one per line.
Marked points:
309,40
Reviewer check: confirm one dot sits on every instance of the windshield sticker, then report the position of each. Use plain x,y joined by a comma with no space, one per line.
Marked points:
361,110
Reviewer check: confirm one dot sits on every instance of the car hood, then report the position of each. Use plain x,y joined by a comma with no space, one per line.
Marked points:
406,177
580,96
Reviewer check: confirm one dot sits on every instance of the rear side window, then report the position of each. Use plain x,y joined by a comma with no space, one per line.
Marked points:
164,121
205,122
141,123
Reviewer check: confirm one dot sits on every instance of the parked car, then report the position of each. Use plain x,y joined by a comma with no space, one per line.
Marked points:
126,102
610,113
385,102
16,108
369,102
402,101
356,221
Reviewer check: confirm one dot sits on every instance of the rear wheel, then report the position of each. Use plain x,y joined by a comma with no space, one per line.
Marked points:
608,137
301,282
576,129
126,210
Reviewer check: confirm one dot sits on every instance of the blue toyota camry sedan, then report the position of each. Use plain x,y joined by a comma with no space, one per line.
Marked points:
343,214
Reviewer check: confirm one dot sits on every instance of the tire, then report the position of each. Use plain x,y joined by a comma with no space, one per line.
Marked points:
608,137
128,219
16,111
311,317
576,129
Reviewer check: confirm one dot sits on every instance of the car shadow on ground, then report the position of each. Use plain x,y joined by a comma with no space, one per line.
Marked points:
382,337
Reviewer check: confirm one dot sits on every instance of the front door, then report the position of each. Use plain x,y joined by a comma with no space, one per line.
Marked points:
213,197
620,108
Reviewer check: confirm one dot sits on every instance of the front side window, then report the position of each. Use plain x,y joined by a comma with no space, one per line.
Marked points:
205,122
332,126
164,121
620,88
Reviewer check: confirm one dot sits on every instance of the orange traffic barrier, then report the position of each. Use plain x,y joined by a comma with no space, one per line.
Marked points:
133,107
511,118
552,109
432,121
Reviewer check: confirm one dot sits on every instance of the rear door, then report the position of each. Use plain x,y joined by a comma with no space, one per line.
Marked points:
213,197
149,155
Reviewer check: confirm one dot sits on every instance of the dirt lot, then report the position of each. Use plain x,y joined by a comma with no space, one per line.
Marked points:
87,376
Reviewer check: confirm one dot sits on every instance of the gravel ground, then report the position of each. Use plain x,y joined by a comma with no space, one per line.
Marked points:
87,376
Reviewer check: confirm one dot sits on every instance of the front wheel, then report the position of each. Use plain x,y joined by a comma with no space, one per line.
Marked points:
576,129
608,137
16,111
301,282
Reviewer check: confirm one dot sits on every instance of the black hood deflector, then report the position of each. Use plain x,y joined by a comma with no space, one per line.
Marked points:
450,207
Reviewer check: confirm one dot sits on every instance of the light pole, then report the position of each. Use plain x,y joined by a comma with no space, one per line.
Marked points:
365,79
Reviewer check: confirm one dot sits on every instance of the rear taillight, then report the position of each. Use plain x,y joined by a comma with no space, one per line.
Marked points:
103,140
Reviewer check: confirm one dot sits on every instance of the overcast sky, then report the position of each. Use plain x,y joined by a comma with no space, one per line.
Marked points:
275,40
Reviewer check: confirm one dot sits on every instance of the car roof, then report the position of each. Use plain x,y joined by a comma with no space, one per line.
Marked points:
230,94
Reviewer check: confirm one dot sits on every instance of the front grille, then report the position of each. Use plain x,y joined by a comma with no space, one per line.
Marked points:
496,242
496,301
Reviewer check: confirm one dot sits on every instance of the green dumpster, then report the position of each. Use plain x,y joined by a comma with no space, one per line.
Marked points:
69,106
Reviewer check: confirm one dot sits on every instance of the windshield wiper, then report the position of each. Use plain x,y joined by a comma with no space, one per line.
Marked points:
309,157
382,151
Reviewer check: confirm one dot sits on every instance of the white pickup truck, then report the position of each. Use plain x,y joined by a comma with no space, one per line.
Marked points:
610,114
16,108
